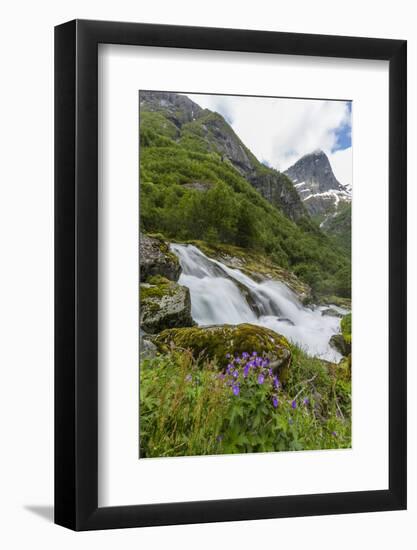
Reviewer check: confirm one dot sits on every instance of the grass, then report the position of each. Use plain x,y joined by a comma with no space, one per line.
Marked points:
190,407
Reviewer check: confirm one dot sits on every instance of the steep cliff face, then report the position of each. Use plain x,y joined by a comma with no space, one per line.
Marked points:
317,186
178,109
215,135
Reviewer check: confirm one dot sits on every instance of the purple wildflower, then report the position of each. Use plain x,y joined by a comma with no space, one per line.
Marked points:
219,438
188,378
261,379
235,389
235,373
254,354
276,382
227,355
275,401
294,404
334,434
246,370
306,401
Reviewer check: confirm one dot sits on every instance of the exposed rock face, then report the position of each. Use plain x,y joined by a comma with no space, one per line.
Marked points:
316,184
215,342
314,169
219,137
163,305
179,109
278,190
156,259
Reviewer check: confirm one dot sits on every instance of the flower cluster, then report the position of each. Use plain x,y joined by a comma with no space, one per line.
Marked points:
251,369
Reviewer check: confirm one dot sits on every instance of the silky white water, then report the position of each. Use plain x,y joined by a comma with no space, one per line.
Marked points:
222,295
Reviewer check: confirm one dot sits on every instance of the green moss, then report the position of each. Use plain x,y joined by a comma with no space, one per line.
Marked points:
214,343
346,327
158,280
164,247
157,287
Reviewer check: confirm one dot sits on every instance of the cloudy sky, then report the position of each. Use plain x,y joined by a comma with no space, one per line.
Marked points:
279,131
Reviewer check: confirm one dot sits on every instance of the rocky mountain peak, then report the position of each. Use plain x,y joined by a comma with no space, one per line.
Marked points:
316,184
178,108
314,169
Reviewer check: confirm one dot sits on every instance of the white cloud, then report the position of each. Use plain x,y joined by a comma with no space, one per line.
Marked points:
341,162
280,131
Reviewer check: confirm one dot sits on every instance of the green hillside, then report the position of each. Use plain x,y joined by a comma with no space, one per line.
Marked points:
340,227
190,189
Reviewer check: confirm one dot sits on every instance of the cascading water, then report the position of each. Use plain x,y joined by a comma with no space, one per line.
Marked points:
220,295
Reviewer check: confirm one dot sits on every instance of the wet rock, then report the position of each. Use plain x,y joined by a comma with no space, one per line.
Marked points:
286,321
147,348
338,343
164,304
331,312
156,258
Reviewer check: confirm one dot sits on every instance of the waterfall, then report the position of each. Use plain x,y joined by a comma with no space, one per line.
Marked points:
220,295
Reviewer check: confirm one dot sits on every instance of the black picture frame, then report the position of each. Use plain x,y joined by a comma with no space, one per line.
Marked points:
76,272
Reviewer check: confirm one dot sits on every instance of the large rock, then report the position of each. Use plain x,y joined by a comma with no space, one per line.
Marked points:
147,348
338,343
155,258
343,342
164,304
216,341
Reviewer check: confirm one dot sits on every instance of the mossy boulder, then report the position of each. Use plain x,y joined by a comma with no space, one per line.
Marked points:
155,258
164,304
343,342
216,341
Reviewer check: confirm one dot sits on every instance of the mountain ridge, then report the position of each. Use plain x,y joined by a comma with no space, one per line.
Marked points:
193,121
198,181
316,184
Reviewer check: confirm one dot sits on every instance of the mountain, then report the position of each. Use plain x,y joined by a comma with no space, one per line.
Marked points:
317,186
215,135
199,181
339,226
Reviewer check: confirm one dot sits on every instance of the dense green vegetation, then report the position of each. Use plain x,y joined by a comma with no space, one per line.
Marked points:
230,388
230,211
340,228
190,407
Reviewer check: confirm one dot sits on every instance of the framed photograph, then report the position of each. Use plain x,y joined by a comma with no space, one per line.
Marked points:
230,248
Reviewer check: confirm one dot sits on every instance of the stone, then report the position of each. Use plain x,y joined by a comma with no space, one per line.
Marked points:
338,343
155,258
163,305
216,341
